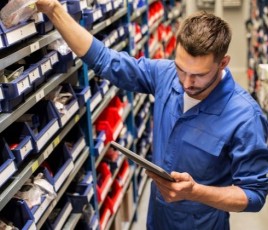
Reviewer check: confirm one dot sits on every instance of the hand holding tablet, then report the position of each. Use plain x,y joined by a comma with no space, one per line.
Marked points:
143,162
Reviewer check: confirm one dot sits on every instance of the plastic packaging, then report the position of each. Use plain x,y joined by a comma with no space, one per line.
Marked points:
17,11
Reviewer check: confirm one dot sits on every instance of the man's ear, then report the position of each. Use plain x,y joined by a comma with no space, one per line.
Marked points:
225,61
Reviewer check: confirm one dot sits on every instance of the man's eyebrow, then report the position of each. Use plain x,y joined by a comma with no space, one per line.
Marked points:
179,68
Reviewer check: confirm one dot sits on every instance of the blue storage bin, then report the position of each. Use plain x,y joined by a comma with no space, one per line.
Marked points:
20,145
60,165
87,179
38,210
96,97
64,64
7,163
45,67
43,24
62,210
73,6
83,94
17,212
92,16
70,109
117,4
74,142
8,105
16,87
103,86
35,77
47,125
17,33
80,195
106,8
53,56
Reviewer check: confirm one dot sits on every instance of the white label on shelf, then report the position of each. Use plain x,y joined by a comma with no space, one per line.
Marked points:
87,95
48,150
117,130
121,31
69,113
1,93
80,146
95,16
54,58
64,175
26,149
64,217
105,87
90,194
23,85
35,46
100,13
34,75
20,33
95,102
141,129
106,189
39,95
89,179
46,66
7,172
43,206
1,42
83,4
108,22
109,6
47,135
101,147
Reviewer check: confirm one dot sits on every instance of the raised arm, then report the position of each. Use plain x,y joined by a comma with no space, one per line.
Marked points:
78,38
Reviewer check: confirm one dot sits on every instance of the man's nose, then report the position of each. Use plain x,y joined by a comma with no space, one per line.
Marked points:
188,81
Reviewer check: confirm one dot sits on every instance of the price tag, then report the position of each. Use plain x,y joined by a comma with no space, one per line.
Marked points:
56,141
35,166
35,46
108,22
76,118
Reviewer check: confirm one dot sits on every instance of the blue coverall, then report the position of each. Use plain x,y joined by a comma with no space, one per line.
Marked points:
220,142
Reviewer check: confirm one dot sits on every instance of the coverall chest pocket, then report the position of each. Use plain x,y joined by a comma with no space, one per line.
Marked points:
200,154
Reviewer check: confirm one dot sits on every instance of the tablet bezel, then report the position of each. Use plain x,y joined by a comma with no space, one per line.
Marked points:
143,162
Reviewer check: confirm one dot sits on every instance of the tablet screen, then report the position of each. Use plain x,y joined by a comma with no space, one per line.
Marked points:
142,161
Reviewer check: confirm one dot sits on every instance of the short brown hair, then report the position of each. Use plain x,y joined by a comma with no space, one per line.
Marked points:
204,33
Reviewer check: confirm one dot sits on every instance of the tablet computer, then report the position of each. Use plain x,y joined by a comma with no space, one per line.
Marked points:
143,162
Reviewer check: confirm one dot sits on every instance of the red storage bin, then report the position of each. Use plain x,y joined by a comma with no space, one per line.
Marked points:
114,197
111,122
118,104
105,214
123,173
104,181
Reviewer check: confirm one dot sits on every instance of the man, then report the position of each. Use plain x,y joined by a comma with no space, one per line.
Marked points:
208,131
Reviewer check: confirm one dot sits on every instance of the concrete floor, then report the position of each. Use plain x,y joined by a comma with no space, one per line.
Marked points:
238,221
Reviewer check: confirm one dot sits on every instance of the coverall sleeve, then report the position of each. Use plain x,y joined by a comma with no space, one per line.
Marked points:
122,70
250,161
